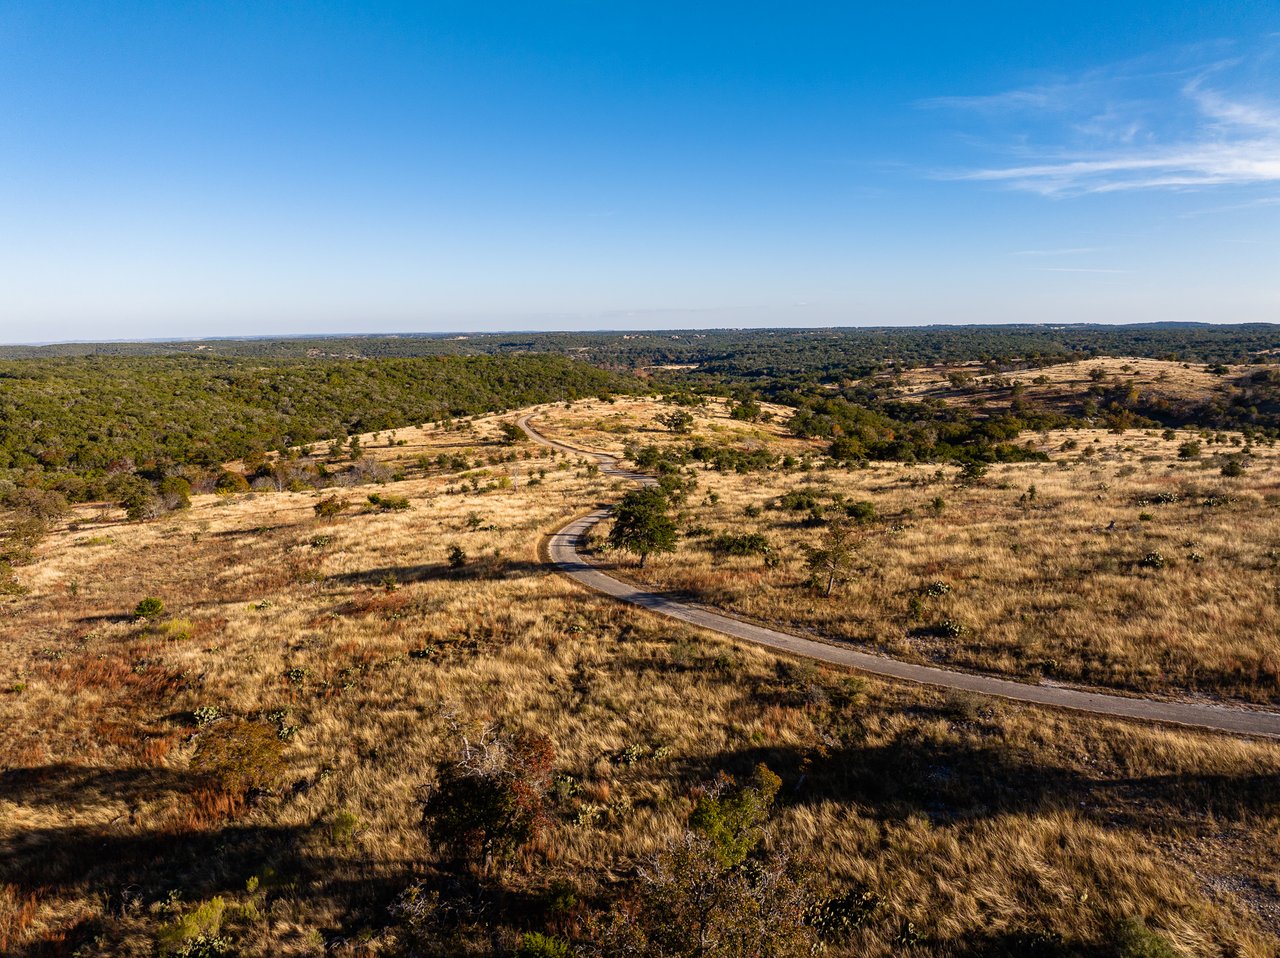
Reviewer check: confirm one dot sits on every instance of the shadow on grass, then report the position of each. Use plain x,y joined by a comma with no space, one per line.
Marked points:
954,782
79,785
480,568
126,868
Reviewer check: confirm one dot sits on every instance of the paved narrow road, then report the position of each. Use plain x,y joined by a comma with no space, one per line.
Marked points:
562,549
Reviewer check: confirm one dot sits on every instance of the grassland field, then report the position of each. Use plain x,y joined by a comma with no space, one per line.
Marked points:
970,822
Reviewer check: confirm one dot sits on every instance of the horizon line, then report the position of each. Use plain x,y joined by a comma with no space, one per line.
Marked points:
620,330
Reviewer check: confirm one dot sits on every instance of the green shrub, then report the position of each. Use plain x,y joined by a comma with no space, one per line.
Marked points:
835,918
174,493
149,608
1232,466
388,503
511,433
329,507
240,756
456,557
847,449
206,714
862,511
1133,939
745,544
732,818
715,892
141,502
196,934
230,483
804,499
971,472
678,421
9,584
534,944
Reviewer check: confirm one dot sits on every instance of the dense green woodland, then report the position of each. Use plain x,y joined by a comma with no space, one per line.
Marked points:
71,422
801,353
77,418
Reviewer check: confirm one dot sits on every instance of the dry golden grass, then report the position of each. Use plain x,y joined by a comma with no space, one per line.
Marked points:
1065,386
1044,584
967,817
609,426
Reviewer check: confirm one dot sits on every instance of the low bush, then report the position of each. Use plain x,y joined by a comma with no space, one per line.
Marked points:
862,511
535,944
732,818
490,801
149,608
803,499
230,483
240,756
196,934
329,508
174,493
1133,939
385,503
743,544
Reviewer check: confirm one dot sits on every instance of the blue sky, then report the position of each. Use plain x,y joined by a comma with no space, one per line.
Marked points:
190,169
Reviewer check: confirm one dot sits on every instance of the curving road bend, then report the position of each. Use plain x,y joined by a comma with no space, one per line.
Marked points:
562,549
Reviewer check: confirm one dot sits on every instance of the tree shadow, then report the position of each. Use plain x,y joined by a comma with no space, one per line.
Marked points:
1022,943
482,568
957,781
127,868
107,618
74,785
118,861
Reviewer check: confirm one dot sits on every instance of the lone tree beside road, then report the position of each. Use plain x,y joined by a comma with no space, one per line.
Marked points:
833,562
678,421
641,524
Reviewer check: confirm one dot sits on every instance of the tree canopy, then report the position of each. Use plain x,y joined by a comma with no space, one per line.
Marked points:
641,524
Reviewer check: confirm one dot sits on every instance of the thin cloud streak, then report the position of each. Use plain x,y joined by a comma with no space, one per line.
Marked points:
1242,164
1076,269
1076,251
1116,135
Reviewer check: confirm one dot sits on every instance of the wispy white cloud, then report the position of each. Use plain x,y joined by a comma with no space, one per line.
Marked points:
1113,130
1078,269
1072,251
1234,207
1179,167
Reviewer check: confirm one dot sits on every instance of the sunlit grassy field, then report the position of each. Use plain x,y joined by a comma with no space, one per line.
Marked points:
1117,563
367,655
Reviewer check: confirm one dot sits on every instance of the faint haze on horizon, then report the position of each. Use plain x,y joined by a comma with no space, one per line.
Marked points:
183,171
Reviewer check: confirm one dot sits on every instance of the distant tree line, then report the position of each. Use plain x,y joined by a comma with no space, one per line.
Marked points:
90,427
754,353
